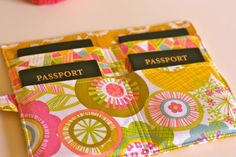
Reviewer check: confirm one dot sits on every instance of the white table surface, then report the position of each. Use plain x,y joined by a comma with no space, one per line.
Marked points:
215,21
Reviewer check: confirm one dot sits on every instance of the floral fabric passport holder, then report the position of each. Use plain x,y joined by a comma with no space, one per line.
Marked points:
140,97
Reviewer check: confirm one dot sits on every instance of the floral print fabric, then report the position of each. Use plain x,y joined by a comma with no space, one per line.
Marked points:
121,120
40,129
122,113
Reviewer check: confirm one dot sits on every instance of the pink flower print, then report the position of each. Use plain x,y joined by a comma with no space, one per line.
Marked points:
130,147
218,90
41,129
175,107
145,152
211,102
150,145
134,154
115,90
209,93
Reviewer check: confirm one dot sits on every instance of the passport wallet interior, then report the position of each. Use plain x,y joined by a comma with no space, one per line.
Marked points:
131,92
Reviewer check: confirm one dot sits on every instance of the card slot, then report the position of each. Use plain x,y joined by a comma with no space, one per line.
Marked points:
158,44
61,57
154,35
166,44
54,47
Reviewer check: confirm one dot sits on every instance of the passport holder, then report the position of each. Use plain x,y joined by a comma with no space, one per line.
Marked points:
134,97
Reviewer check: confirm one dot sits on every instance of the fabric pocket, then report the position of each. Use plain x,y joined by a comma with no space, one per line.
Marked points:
53,113
194,107
162,44
122,51
137,113
60,57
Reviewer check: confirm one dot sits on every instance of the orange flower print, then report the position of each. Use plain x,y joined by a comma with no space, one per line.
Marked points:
229,119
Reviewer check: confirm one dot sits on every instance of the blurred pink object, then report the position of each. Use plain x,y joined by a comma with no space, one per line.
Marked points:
41,2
